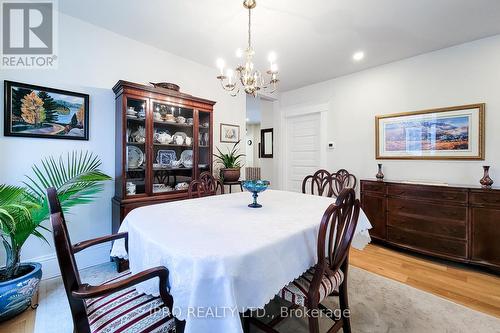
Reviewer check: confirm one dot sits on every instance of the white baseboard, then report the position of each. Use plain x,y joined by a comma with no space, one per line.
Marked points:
90,257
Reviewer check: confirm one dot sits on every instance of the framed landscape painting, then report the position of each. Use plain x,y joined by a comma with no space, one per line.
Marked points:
229,133
40,112
447,133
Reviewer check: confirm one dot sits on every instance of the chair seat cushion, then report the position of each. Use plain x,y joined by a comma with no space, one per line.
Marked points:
296,291
128,311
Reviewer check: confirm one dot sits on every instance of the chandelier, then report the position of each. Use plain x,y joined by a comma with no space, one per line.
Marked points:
245,76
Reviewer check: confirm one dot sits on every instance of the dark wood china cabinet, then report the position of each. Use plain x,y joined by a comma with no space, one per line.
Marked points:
164,140
459,223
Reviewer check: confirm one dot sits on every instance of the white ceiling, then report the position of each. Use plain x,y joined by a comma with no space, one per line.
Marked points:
314,39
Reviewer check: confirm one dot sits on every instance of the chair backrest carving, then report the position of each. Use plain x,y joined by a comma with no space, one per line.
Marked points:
207,185
334,238
67,262
319,183
342,179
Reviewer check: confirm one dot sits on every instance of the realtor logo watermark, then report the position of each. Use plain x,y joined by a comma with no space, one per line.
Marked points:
29,34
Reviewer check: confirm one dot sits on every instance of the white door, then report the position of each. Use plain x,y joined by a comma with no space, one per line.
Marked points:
303,148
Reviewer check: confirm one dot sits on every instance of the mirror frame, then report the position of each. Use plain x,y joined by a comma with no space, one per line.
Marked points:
263,143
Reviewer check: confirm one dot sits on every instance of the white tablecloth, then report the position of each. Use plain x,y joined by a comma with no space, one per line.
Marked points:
223,256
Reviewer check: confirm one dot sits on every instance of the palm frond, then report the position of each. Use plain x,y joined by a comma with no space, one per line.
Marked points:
13,207
77,179
79,170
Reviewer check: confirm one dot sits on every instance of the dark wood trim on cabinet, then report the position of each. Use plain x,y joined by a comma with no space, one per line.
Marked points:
124,91
459,223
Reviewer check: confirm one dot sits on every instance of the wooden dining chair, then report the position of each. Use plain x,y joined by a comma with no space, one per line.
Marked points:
207,185
329,276
319,183
342,179
115,305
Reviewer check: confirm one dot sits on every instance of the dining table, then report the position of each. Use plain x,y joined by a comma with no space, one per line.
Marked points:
223,257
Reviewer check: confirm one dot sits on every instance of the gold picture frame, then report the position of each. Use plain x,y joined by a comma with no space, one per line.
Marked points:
450,133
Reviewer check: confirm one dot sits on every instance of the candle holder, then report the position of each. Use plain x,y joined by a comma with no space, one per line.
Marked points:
486,181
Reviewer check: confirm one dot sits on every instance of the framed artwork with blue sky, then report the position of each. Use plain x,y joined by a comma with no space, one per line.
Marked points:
446,133
41,112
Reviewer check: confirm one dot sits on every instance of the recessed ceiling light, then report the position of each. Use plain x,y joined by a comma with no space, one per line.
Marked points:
358,56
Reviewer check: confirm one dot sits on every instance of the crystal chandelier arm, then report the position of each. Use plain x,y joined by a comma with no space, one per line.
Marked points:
226,87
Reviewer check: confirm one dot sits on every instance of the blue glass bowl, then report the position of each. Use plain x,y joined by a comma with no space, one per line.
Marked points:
255,186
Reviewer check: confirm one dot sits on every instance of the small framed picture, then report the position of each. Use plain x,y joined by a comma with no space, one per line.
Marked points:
41,112
452,133
229,133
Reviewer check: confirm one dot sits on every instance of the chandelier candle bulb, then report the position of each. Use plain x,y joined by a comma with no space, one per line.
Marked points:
220,66
229,74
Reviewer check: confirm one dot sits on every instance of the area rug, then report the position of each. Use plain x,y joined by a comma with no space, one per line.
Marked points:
377,304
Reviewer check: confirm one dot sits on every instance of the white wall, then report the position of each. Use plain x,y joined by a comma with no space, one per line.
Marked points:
464,74
92,60
252,152
270,118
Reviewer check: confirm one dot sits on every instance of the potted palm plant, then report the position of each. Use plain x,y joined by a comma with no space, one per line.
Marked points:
77,179
231,162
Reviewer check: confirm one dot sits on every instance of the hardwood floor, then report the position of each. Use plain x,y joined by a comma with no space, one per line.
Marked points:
469,287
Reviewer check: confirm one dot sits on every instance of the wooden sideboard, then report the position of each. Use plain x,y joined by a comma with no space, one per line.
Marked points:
452,222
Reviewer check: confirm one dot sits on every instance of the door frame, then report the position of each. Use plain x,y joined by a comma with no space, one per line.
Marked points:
297,111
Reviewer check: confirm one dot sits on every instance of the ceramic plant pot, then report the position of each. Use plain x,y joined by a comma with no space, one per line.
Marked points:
230,175
16,294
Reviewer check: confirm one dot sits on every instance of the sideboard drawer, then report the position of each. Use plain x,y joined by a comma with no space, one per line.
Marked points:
405,207
378,187
427,243
446,229
485,198
428,193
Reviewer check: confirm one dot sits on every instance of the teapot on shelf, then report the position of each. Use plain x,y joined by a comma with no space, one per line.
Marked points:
163,137
157,116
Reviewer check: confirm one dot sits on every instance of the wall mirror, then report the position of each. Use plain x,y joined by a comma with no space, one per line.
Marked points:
266,139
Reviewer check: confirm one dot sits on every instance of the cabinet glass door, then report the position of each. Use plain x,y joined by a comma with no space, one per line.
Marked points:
204,142
135,150
172,147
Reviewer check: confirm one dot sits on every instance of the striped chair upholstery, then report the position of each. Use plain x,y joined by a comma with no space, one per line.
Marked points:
296,291
128,311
